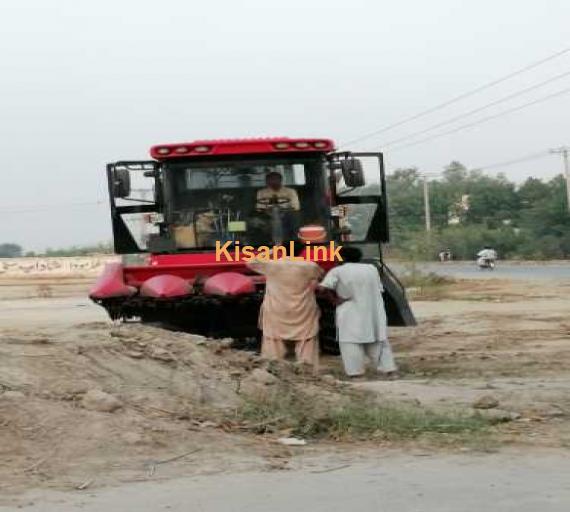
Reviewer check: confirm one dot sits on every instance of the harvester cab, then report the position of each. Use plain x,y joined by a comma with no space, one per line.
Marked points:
191,208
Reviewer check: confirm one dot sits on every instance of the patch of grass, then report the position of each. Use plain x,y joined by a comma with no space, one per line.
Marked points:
281,409
399,421
425,285
356,417
418,279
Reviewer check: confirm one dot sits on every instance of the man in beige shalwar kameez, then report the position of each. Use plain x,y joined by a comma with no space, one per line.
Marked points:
289,313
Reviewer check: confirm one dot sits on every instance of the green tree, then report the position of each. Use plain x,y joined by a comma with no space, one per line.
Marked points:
546,215
526,221
405,201
532,191
492,200
10,250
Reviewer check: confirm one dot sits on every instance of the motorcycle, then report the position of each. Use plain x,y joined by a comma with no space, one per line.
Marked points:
486,263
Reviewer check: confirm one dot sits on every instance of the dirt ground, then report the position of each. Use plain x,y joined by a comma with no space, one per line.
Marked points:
505,341
509,340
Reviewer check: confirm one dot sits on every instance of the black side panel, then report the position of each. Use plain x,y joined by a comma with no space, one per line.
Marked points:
123,240
378,229
397,306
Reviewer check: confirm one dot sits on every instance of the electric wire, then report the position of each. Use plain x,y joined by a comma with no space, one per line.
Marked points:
485,119
522,159
478,109
455,99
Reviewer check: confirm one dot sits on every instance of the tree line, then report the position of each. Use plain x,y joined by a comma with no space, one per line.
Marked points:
10,250
470,209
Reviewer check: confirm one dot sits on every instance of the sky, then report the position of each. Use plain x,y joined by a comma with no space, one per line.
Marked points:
84,83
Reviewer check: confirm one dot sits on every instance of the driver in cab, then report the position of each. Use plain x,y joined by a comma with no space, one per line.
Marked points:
276,194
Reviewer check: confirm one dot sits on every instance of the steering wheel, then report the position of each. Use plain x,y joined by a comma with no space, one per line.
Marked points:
283,203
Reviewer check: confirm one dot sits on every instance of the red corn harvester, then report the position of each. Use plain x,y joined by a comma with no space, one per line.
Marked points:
173,214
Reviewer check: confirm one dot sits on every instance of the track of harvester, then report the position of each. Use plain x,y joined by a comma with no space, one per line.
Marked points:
215,317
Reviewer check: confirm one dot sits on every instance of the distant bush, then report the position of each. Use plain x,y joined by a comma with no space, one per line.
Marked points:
84,250
417,279
465,242
10,251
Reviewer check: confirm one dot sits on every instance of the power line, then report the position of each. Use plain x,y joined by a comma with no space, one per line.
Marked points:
485,119
505,163
455,99
478,109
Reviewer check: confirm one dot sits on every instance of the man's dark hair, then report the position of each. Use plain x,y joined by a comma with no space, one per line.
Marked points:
350,254
275,174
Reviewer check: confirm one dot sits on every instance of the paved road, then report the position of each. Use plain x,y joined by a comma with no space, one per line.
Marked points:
504,270
501,482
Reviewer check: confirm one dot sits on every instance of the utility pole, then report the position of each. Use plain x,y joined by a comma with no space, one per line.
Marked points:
427,209
427,203
563,150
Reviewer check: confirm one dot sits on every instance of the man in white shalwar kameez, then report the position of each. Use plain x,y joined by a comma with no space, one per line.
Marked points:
360,316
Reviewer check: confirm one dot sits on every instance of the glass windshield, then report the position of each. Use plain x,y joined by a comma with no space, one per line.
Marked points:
218,177
258,202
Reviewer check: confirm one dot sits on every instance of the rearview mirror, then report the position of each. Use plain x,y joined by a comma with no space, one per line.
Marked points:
121,183
352,172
